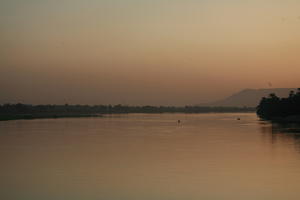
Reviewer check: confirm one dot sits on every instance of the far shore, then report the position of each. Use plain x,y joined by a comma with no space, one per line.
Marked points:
25,111
58,116
10,117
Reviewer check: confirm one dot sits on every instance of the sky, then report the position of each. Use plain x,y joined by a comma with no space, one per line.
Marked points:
141,52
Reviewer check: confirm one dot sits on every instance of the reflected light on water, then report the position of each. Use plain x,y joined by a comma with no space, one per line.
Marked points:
149,157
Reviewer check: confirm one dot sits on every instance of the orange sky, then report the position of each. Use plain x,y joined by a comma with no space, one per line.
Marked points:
141,52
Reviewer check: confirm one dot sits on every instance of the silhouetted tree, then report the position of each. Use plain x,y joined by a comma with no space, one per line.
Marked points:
274,107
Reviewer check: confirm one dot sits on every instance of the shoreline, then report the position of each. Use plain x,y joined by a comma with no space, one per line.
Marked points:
287,119
12,117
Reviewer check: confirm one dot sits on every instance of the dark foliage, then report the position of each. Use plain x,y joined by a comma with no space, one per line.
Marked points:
274,107
23,111
109,109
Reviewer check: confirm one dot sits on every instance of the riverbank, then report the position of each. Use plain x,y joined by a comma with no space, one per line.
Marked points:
23,111
287,119
9,117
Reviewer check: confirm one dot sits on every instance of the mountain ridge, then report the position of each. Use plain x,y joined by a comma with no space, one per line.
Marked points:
249,97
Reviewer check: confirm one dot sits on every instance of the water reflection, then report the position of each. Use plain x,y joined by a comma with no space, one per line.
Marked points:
149,157
284,132
283,128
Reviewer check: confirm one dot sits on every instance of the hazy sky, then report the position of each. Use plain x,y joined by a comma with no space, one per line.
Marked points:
154,52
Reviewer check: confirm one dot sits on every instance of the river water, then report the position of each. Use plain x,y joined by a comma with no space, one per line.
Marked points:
150,157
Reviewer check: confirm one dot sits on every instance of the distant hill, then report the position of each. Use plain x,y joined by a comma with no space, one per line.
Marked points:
250,97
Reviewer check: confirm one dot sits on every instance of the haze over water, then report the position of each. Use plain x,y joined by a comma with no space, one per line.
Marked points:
149,157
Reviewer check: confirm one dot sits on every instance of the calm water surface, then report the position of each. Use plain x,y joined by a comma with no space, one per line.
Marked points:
149,157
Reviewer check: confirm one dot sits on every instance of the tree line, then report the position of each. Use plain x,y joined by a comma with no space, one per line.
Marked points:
110,109
272,107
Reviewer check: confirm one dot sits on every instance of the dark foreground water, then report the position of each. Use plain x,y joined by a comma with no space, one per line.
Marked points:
149,157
